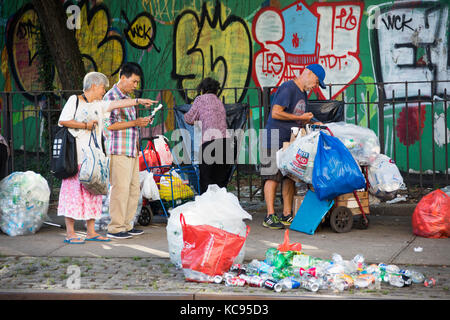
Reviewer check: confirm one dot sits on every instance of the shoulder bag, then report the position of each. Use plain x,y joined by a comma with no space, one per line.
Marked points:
64,163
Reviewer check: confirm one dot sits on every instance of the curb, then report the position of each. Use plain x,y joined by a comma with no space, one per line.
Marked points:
384,209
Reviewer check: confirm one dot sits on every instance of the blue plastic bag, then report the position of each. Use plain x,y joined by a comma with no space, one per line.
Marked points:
335,170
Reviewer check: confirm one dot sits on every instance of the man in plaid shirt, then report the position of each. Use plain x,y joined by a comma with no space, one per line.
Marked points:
122,146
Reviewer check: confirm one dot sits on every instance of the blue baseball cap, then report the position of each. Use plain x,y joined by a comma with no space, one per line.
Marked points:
319,72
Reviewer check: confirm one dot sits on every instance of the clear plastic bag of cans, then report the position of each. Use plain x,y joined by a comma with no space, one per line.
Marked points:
24,199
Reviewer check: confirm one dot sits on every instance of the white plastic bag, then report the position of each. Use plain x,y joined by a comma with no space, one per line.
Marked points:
148,185
227,216
24,198
384,177
297,160
163,149
362,142
94,170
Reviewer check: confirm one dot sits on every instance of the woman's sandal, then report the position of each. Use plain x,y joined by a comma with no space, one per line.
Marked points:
71,241
96,238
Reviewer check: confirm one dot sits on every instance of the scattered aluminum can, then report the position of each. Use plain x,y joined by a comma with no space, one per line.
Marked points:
253,281
235,282
273,285
429,283
217,279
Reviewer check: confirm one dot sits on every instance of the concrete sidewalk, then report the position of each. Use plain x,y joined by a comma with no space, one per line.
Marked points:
389,239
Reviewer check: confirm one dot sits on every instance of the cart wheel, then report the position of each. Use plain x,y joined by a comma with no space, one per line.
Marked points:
146,216
361,223
341,220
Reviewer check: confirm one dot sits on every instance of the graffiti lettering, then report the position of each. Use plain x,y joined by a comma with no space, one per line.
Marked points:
272,63
350,21
339,43
21,45
330,61
217,46
396,22
141,31
26,29
415,36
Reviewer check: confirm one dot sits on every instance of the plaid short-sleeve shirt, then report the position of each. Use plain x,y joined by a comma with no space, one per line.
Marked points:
121,142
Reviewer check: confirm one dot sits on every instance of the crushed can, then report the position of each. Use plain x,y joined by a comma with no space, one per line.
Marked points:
273,285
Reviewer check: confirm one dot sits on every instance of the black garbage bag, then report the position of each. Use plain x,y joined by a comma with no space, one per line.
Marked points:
326,111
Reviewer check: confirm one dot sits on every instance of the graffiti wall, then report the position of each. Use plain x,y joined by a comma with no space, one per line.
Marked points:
258,43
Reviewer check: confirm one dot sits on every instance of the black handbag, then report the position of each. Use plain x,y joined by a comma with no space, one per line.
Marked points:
64,162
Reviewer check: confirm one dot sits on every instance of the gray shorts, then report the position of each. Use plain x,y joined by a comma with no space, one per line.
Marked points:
269,169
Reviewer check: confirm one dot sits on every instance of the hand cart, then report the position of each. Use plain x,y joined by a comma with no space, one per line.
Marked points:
177,185
349,206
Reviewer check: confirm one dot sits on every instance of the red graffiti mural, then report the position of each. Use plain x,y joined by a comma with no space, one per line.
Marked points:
298,35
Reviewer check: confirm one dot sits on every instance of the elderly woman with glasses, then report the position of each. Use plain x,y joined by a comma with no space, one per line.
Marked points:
75,202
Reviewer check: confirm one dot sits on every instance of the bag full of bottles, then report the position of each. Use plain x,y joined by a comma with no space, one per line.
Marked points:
24,200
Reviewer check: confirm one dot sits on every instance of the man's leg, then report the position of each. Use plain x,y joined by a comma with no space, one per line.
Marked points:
133,198
270,190
288,190
120,179
272,177
272,220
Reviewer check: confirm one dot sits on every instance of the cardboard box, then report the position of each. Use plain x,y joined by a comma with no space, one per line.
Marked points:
296,202
301,132
348,200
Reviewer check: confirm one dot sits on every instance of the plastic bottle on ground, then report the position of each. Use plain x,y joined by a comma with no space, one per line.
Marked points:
358,261
376,285
253,267
280,261
337,258
265,268
309,283
335,268
301,261
289,283
271,255
415,276
359,258
429,283
392,268
364,281
338,284
396,280
197,276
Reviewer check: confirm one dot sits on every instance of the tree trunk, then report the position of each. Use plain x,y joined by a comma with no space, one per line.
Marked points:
61,42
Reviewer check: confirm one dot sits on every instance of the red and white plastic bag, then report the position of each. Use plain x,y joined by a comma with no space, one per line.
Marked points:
208,251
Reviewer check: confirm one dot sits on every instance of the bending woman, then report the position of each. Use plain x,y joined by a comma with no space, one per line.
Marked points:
215,166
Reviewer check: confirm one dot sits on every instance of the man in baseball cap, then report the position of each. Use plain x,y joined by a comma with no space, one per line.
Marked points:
288,109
